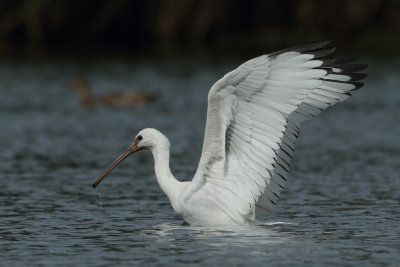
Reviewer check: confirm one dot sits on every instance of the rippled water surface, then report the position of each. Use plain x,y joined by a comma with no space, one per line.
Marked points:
341,206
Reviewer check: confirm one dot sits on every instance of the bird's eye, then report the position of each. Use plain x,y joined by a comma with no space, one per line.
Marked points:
139,137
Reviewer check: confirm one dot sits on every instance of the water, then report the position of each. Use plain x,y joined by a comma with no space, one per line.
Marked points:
341,206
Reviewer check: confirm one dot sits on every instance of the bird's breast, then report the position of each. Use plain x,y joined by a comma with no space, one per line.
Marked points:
202,212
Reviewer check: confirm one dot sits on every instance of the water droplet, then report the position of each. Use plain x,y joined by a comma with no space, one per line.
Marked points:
100,202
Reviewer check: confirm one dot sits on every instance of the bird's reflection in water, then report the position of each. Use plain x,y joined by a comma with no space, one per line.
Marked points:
238,235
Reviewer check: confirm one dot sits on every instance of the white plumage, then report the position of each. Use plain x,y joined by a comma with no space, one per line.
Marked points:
253,121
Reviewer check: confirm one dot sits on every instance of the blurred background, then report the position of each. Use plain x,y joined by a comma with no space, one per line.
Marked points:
190,26
79,79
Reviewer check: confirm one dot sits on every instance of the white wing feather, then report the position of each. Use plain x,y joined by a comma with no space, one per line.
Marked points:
253,119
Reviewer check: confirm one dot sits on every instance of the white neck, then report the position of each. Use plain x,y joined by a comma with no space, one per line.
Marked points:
171,187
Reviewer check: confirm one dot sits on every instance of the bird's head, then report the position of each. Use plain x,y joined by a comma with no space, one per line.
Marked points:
150,138
146,139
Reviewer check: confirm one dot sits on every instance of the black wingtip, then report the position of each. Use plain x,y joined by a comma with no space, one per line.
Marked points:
311,46
322,53
355,76
302,48
357,85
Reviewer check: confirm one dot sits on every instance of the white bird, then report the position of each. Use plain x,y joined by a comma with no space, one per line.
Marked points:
253,121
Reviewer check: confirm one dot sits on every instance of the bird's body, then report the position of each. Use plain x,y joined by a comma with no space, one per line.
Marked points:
253,121
123,99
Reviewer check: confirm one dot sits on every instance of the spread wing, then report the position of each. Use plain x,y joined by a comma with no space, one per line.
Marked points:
253,122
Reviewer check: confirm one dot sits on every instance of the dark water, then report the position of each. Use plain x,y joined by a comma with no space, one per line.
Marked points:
341,206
